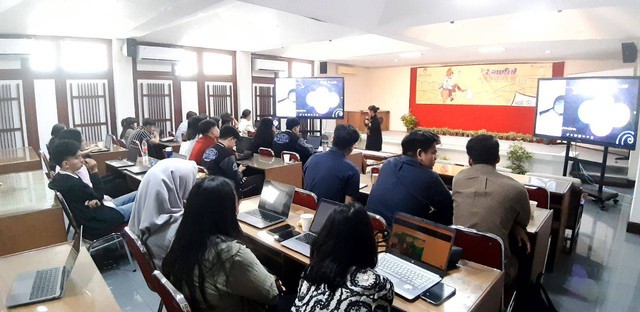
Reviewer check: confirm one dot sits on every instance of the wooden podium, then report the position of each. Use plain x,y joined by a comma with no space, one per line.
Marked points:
356,119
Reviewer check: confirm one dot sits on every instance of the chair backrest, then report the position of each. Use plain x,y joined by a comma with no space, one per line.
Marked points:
379,226
47,165
121,143
266,152
145,263
375,170
172,299
305,198
67,212
293,156
539,194
136,144
483,248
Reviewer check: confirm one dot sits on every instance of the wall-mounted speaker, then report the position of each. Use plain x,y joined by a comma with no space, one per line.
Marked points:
629,52
130,47
323,68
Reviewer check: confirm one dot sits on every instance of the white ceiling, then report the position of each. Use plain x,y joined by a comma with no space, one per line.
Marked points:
369,33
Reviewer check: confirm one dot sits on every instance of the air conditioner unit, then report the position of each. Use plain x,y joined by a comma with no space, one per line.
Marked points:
22,46
345,70
160,53
269,65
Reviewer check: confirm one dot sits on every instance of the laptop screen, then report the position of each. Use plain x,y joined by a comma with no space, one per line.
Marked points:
133,154
276,197
325,208
421,240
244,144
108,142
314,140
73,255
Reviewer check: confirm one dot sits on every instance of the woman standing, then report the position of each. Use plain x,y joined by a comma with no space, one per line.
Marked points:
374,132
207,262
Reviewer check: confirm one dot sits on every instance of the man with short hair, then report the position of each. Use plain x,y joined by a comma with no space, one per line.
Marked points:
220,158
488,201
87,202
148,134
182,128
330,174
209,132
290,140
408,184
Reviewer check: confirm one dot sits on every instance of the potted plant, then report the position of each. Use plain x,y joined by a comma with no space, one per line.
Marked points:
518,155
410,121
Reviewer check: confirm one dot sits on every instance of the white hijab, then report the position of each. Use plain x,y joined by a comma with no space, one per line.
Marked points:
160,196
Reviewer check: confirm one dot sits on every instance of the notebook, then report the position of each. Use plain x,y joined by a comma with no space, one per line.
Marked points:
275,202
46,284
302,243
417,254
132,157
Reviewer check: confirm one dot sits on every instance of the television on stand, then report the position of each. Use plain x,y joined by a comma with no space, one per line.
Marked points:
315,97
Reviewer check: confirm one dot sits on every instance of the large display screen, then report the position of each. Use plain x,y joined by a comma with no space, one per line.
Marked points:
317,97
595,110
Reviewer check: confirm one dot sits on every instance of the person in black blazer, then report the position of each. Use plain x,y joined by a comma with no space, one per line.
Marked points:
374,132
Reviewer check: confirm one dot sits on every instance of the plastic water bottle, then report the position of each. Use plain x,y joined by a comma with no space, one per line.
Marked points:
145,153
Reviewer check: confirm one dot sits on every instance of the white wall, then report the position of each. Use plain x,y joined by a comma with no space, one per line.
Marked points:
46,109
122,84
389,89
243,74
189,97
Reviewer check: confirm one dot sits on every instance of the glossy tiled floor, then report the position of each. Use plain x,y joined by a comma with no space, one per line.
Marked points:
602,275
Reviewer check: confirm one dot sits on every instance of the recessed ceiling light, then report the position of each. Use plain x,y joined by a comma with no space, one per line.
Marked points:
410,54
395,60
547,52
491,49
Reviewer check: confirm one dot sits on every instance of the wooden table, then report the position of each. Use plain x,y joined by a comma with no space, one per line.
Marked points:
85,291
19,160
478,288
116,152
275,169
30,217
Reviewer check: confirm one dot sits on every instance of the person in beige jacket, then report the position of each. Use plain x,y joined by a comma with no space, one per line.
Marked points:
488,201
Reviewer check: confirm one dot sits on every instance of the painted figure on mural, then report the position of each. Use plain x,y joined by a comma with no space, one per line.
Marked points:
449,87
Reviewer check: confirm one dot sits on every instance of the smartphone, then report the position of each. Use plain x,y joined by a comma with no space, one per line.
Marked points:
278,229
438,294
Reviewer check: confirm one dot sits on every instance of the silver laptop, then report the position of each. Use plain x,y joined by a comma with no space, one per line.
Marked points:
107,145
417,254
302,243
275,202
132,157
43,285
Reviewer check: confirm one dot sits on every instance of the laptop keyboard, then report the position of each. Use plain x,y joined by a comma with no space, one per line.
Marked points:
45,284
263,215
406,273
306,238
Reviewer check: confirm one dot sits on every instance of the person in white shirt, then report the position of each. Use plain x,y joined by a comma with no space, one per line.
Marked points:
245,123
192,135
182,128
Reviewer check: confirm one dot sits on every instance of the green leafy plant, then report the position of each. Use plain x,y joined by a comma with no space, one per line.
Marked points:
409,120
518,155
512,136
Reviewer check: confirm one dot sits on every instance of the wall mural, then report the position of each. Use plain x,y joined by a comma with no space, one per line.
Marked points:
493,84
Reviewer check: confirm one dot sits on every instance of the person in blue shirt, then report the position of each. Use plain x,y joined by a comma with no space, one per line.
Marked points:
330,174
408,183
290,140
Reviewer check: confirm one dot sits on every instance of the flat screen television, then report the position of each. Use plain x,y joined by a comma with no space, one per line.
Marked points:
595,110
316,97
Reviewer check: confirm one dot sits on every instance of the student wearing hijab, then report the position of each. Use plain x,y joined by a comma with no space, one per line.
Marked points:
159,205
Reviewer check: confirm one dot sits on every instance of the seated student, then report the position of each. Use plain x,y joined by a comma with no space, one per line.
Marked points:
264,135
192,135
289,140
182,128
488,201
148,133
209,133
220,158
86,202
341,272
330,174
208,263
55,131
75,135
129,125
159,205
245,123
227,119
408,183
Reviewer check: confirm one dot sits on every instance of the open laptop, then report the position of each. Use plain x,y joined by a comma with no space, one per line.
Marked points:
302,243
315,141
417,254
275,202
106,147
132,157
46,284
243,148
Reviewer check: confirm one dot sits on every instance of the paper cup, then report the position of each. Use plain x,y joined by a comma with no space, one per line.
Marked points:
286,158
305,220
374,178
533,204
